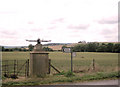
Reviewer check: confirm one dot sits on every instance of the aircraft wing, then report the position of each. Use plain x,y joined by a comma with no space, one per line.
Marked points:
32,40
45,40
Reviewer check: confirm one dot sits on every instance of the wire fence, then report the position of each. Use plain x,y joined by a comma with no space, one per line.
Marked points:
15,68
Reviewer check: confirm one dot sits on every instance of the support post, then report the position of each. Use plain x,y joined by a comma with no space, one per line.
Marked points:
17,65
14,67
93,64
27,67
49,67
71,62
5,68
55,68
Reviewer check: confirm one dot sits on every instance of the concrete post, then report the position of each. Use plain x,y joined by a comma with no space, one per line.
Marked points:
39,61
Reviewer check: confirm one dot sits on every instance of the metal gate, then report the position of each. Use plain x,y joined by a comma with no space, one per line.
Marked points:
15,68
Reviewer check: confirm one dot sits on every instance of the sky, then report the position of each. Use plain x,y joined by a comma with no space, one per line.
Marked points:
61,21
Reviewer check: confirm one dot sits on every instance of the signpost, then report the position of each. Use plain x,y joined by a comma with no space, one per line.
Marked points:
67,50
73,54
71,62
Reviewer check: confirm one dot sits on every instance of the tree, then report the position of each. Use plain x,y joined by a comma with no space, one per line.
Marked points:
110,47
64,46
77,48
10,49
116,48
6,50
91,47
30,47
16,49
3,49
97,47
101,48
47,49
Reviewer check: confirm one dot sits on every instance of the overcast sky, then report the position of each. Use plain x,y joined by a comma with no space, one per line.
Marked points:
62,21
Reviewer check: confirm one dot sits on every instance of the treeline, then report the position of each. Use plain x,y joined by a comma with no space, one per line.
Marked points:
29,48
82,47
44,48
14,49
97,47
23,48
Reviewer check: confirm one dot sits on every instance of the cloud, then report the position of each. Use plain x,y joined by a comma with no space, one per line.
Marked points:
8,12
53,27
110,20
60,20
109,31
30,22
37,29
106,32
111,38
80,26
8,34
75,35
110,34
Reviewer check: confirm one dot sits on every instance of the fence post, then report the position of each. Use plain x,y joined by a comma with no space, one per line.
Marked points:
49,67
93,64
5,68
71,62
14,67
17,65
27,67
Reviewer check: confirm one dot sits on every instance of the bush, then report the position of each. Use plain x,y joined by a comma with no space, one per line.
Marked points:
66,74
47,49
69,74
61,73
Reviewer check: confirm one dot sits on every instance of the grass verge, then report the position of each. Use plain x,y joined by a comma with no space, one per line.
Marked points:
63,79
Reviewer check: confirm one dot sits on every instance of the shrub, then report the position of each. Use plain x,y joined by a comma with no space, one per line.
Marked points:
69,74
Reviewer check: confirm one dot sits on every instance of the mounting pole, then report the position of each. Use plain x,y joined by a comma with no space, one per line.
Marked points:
71,61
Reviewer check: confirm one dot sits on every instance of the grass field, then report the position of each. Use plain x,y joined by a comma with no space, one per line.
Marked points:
104,63
83,60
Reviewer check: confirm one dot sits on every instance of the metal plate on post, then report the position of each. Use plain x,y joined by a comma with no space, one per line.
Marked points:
67,50
74,54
